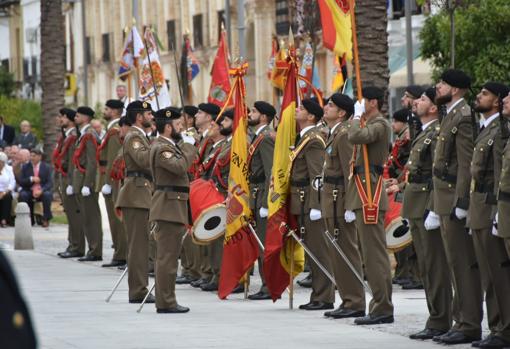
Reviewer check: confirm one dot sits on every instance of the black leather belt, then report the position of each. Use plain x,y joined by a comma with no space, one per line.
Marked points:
300,182
483,187
103,162
445,176
172,188
504,196
372,168
257,179
337,180
139,174
418,179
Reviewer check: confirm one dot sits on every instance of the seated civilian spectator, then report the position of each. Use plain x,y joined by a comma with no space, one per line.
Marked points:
22,157
98,128
36,185
25,139
12,154
6,132
7,184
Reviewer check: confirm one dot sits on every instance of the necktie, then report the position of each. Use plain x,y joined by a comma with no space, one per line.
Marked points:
36,187
298,138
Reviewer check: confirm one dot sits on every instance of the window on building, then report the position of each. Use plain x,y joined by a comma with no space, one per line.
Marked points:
88,50
105,38
198,37
221,21
282,17
171,35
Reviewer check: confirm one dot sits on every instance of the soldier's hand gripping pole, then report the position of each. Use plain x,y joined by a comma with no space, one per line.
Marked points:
116,285
332,239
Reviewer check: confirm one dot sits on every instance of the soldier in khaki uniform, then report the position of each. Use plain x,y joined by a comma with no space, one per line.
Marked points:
305,204
84,184
375,135
451,178
490,249
63,170
169,162
335,181
134,199
502,221
260,162
426,234
106,154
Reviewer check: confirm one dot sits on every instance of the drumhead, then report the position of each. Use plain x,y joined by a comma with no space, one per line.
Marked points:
398,235
211,223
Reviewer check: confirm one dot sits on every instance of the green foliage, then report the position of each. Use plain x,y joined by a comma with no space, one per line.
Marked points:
15,110
6,82
482,38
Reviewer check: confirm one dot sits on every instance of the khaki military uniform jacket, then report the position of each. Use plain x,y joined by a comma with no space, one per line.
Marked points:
485,174
260,153
212,152
452,160
136,192
84,167
376,135
169,164
336,170
307,164
504,195
108,152
400,153
65,154
221,168
418,188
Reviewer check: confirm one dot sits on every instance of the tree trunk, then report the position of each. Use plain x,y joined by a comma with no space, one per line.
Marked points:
52,69
371,25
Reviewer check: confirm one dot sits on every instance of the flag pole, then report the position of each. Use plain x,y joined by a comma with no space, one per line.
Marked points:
291,282
360,97
177,74
150,67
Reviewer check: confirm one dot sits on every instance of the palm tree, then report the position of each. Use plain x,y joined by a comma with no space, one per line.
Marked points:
52,69
371,23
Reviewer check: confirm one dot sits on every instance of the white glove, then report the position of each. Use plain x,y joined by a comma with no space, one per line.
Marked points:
496,218
263,212
349,216
495,225
106,189
460,213
188,139
359,109
85,191
69,190
315,214
432,221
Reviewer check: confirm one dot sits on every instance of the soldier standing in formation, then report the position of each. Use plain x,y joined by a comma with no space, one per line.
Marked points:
502,222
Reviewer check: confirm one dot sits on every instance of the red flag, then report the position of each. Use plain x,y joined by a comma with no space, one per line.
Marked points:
240,248
220,83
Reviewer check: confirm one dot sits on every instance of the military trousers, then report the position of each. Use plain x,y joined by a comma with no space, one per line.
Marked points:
322,288
136,224
119,237
91,215
435,274
507,246
495,272
168,237
260,229
349,287
188,259
372,238
76,234
467,297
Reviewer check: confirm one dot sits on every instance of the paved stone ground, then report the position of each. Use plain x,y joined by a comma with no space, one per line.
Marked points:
66,298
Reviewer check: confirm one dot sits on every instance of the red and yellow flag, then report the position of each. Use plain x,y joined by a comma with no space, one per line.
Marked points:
220,79
339,74
240,248
280,67
278,246
336,26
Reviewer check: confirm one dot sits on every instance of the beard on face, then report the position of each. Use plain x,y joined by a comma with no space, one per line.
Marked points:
226,131
146,124
253,122
442,100
176,136
480,109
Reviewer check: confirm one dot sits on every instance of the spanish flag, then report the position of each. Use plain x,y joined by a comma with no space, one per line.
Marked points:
339,74
240,248
336,26
277,254
280,68
220,80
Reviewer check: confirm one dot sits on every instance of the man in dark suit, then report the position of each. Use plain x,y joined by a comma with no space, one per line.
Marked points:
25,139
6,133
36,185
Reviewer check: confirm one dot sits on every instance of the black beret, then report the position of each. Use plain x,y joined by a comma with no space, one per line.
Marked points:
343,102
372,92
86,111
496,88
139,106
69,113
414,90
209,108
431,93
114,104
401,115
313,108
316,100
191,110
265,108
168,114
456,78
229,113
